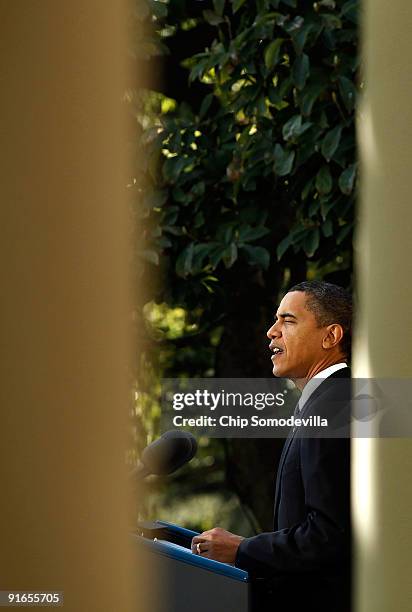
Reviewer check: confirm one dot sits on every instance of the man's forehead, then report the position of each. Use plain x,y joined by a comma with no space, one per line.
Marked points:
293,302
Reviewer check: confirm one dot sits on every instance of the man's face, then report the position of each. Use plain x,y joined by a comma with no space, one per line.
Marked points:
297,335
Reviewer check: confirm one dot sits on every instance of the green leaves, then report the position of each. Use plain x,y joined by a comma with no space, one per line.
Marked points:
309,96
268,156
237,4
307,238
344,232
230,255
283,246
310,30
184,261
150,256
350,10
311,242
248,233
173,167
272,52
156,198
199,257
347,179
158,9
283,161
204,107
300,70
348,92
212,18
330,4
219,6
327,228
293,128
331,142
257,256
324,181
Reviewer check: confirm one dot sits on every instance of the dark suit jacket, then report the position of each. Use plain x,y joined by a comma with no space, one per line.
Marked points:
304,563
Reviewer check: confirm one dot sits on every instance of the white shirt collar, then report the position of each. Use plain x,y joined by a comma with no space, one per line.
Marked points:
314,382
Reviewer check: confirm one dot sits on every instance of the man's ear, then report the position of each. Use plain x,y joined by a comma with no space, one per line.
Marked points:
334,334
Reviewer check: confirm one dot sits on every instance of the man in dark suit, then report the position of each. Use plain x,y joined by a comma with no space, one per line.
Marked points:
304,564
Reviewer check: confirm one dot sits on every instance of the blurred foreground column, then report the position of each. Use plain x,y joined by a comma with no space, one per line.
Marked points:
382,492
65,354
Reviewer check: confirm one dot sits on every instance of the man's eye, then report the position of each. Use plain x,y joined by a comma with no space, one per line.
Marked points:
289,321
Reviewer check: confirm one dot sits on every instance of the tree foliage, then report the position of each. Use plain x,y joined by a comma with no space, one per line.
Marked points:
265,167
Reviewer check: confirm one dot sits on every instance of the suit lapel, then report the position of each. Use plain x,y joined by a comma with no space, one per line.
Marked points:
285,450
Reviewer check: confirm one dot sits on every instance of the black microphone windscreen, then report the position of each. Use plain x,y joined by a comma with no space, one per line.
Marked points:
172,450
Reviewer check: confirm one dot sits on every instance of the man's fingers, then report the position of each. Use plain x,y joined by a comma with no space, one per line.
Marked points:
196,544
199,545
206,554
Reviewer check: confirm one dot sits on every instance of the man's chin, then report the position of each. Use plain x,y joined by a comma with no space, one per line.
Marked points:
277,372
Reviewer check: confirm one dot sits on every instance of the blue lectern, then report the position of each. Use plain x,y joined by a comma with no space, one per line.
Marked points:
185,582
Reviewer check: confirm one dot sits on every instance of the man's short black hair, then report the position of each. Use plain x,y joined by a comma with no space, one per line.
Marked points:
330,304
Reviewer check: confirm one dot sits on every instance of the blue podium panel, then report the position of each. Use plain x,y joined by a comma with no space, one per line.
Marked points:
183,581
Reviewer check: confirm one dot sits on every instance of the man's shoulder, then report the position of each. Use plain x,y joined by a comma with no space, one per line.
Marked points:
338,384
332,398
342,373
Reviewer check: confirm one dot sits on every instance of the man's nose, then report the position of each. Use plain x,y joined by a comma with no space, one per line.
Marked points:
272,332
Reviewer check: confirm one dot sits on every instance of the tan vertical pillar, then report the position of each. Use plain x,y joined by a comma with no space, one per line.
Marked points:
64,303
382,493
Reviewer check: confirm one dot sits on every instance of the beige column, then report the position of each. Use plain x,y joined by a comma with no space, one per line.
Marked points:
382,485
65,341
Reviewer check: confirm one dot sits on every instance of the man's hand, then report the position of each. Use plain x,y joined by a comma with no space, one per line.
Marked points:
217,544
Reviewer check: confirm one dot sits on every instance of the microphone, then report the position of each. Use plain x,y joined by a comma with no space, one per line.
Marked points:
166,454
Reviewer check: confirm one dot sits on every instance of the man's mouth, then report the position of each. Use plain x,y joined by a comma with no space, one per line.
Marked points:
276,352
